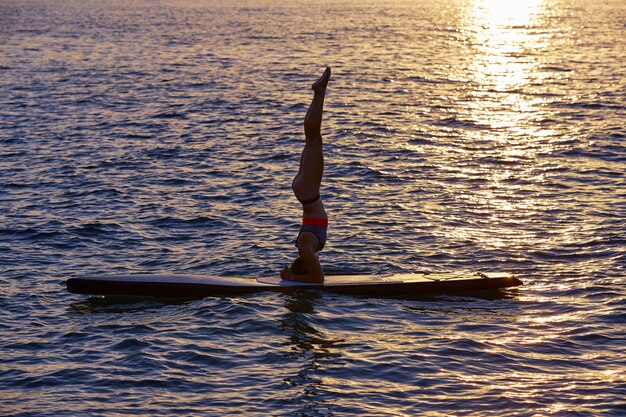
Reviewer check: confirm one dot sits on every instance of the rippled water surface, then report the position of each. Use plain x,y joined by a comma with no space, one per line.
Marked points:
162,136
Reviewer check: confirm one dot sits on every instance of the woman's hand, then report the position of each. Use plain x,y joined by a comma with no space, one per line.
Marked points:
287,275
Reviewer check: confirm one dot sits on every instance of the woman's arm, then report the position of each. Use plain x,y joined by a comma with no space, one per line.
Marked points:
312,262
306,243
288,274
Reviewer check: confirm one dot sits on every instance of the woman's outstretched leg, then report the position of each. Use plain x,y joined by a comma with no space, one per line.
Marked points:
307,182
313,119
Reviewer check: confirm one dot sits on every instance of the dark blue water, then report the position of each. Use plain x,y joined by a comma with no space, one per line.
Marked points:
162,136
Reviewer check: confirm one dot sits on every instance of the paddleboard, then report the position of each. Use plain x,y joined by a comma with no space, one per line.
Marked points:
198,286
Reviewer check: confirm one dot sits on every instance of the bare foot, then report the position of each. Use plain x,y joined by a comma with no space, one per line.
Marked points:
320,85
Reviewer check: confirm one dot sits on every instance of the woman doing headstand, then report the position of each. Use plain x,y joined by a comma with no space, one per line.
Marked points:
306,187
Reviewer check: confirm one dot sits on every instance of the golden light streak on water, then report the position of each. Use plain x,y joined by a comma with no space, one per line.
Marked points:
505,103
502,50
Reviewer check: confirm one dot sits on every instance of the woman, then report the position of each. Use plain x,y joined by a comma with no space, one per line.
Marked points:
306,187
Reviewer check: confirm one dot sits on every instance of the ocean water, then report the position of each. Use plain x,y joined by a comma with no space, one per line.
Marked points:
162,136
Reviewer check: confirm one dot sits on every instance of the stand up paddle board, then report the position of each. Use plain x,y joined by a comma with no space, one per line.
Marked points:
198,286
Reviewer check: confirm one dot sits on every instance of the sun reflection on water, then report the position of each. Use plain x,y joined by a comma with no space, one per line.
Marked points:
504,61
502,97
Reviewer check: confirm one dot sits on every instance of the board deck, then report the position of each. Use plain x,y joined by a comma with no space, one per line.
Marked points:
198,286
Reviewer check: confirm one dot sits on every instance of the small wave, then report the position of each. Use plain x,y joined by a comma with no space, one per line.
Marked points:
29,234
556,69
166,222
427,80
176,182
170,115
95,229
130,344
163,152
196,359
137,136
54,379
96,192
15,185
589,105
455,122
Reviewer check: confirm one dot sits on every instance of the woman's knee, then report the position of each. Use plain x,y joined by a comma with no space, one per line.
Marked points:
314,142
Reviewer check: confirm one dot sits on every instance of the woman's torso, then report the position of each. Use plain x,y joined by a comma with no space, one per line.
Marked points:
315,209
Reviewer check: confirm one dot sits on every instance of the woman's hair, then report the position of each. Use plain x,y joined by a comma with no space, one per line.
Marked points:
298,268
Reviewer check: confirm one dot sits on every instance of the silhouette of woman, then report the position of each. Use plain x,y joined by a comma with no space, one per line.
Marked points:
306,186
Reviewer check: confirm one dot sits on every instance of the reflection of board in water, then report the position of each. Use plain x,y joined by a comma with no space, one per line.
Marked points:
196,286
